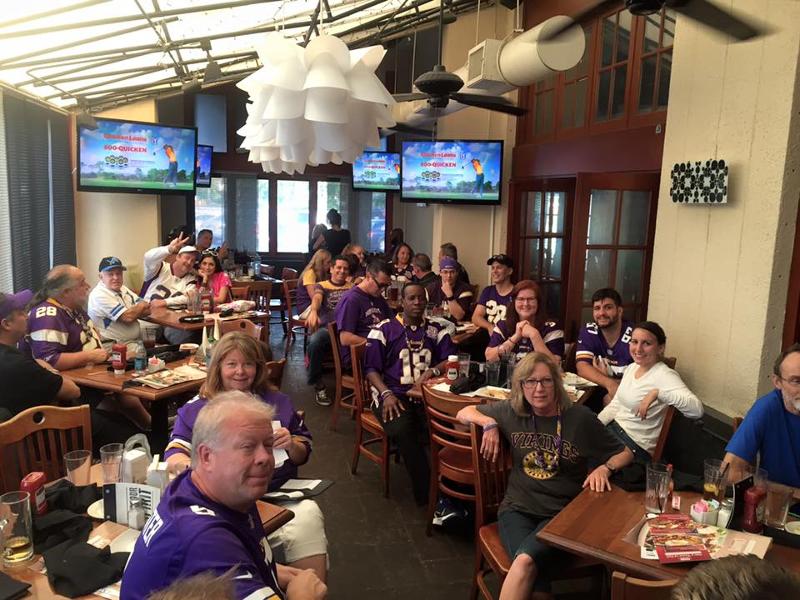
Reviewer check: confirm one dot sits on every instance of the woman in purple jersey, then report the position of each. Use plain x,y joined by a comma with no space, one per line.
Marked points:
238,364
525,328
401,261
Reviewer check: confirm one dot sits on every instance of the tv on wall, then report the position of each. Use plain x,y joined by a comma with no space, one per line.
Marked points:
377,171
452,171
203,177
129,156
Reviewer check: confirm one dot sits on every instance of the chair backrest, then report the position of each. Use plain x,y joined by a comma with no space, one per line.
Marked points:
658,452
670,361
361,392
624,587
333,333
445,430
243,325
491,478
568,362
476,290
240,292
737,421
275,370
268,270
290,294
37,439
288,273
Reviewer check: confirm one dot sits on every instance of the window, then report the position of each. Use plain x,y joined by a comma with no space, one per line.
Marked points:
262,233
292,207
331,194
656,61
576,88
615,47
209,208
377,222
544,106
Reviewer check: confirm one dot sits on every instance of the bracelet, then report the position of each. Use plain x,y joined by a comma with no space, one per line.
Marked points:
610,468
385,393
489,427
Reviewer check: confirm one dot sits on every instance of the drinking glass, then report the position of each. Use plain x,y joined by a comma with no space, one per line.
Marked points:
79,465
463,364
16,531
492,373
111,459
149,337
776,505
657,490
713,484
429,310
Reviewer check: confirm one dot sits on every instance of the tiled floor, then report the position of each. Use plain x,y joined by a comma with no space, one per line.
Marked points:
378,546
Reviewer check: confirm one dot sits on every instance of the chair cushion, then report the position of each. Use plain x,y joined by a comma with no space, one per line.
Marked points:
493,550
370,421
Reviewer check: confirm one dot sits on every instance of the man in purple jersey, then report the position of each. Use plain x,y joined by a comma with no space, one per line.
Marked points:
495,298
603,346
450,293
363,307
400,352
207,519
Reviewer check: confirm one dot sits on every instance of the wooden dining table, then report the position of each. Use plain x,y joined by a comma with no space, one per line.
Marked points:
594,524
416,392
167,317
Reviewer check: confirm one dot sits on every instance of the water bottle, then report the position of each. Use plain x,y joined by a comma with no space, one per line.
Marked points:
140,358
256,265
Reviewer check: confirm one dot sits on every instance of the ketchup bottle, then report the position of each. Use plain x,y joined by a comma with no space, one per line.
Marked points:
451,368
752,516
119,357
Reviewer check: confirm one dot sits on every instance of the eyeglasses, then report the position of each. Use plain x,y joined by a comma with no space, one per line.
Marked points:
524,300
530,384
792,381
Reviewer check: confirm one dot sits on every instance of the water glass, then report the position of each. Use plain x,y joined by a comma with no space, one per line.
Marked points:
79,465
713,484
776,505
149,335
493,373
657,490
16,532
463,364
111,459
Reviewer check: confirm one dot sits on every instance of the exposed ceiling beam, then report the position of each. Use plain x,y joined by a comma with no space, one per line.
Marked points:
164,39
313,26
50,13
83,66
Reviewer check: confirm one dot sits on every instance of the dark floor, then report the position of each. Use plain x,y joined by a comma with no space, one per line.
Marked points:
378,547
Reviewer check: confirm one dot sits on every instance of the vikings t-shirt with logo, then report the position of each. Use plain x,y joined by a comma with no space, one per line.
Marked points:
592,342
188,534
358,312
494,303
401,354
535,490
331,295
552,335
54,329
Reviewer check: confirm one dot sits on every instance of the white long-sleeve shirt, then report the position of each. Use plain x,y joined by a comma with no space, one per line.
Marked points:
671,392
160,283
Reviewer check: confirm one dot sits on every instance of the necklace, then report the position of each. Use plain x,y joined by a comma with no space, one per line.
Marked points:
538,453
413,345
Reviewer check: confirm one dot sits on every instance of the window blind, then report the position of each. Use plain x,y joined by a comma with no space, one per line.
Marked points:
6,271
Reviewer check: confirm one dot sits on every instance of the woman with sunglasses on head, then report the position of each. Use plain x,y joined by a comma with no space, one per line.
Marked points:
211,276
552,443
636,413
525,328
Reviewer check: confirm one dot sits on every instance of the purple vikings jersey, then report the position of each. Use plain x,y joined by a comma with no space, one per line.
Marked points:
181,440
551,333
462,292
358,313
494,303
55,329
592,342
407,272
190,534
331,296
401,354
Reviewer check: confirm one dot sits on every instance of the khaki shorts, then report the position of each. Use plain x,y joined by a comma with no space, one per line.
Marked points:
304,535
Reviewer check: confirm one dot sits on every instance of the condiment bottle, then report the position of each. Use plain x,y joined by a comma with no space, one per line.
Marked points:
136,514
451,368
140,359
119,357
753,515
33,483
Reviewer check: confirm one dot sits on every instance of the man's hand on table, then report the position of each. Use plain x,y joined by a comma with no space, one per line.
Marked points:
598,479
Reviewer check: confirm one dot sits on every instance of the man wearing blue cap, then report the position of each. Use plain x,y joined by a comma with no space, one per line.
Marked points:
114,309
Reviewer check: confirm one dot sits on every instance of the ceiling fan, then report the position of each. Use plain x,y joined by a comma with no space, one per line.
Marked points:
702,11
439,87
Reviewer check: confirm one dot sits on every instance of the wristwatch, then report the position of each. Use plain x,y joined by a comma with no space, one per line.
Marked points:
610,468
436,372
450,299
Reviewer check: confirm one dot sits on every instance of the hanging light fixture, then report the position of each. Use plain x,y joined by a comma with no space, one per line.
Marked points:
313,105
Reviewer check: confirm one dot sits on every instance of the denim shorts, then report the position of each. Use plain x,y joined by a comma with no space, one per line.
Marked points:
640,455
518,534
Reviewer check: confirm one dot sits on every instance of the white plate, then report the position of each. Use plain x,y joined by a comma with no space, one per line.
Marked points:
793,527
95,510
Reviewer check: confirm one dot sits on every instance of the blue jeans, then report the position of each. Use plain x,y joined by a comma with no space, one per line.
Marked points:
640,455
319,346
518,534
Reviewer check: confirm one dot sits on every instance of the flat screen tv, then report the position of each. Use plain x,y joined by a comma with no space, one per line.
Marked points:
129,156
203,177
452,171
377,171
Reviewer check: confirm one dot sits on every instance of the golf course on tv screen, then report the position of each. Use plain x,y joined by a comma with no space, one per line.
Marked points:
127,156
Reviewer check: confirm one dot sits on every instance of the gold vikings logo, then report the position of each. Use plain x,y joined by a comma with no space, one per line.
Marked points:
537,472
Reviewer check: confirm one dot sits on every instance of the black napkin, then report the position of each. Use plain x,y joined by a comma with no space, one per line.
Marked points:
633,478
10,588
75,568
56,526
64,495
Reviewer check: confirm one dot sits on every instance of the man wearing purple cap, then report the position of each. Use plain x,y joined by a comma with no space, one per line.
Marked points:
453,295
114,308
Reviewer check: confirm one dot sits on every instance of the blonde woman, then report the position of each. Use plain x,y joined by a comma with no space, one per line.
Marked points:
316,271
551,444
239,364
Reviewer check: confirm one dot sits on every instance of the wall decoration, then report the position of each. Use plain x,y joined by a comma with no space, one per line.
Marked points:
700,182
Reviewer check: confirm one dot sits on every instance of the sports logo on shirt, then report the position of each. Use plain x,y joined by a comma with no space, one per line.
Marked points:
45,311
202,510
154,523
495,312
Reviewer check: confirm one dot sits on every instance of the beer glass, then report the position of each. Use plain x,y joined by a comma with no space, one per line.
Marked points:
16,531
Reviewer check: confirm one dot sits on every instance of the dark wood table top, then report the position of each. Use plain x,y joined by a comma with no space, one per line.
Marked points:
416,392
167,317
594,524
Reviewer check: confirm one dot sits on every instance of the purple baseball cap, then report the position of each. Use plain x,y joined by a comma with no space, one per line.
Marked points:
12,302
448,263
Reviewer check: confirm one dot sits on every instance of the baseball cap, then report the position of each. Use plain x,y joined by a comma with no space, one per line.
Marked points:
503,259
111,262
12,302
448,263
186,249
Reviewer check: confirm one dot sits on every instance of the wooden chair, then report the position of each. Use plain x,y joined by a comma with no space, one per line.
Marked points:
344,381
670,361
268,270
261,295
240,292
288,273
737,422
275,370
624,587
279,304
369,430
295,324
37,439
245,326
451,452
658,452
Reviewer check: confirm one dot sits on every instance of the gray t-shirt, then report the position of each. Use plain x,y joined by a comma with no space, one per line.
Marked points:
533,490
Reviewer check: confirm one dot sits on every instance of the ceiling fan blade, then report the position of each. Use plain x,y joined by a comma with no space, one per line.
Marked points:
403,128
409,97
495,103
717,18
594,9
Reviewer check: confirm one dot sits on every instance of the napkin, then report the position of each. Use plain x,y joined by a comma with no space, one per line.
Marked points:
63,494
75,568
57,526
10,588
